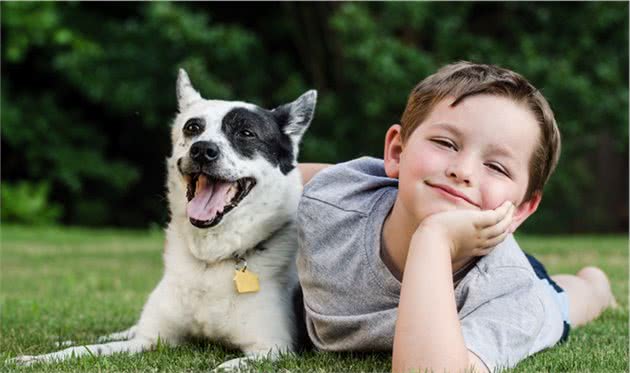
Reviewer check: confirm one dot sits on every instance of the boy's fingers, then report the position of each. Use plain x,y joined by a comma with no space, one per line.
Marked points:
492,217
505,209
498,239
502,226
490,244
487,218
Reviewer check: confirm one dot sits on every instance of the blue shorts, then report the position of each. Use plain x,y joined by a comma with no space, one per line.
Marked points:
558,294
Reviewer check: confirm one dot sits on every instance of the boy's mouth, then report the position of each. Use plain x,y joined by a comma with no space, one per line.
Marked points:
452,192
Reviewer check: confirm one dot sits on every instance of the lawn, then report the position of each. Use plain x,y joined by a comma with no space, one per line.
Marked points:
68,283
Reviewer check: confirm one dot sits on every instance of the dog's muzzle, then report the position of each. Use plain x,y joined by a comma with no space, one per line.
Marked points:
204,152
210,196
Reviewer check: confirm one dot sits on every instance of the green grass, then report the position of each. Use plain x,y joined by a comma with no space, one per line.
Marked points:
68,283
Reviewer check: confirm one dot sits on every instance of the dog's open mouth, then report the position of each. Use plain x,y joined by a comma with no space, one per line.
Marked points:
210,199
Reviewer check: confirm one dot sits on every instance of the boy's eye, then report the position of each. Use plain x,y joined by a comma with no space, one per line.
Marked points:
445,143
497,168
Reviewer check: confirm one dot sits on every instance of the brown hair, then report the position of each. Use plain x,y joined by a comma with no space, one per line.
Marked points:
464,79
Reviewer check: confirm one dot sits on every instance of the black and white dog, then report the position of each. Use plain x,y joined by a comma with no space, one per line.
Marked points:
229,272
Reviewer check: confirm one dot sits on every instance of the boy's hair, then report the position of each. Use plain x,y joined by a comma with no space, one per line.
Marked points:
464,79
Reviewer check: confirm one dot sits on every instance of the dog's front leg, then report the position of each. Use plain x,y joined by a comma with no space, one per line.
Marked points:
155,324
132,346
138,343
124,335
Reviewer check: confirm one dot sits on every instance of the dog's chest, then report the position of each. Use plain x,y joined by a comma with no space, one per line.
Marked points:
208,298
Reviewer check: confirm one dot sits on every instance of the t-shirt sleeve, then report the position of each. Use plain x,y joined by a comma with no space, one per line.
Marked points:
504,327
350,298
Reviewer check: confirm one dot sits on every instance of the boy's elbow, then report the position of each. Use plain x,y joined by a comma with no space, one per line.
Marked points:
449,367
469,364
308,170
475,364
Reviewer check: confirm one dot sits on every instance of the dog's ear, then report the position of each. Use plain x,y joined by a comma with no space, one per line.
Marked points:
186,94
295,117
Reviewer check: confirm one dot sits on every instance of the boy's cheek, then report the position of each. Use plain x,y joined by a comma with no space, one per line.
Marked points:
492,204
495,203
493,196
416,201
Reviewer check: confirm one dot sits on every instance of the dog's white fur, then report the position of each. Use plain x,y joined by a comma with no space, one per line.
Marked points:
197,296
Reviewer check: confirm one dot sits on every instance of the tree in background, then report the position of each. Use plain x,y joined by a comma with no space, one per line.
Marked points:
88,91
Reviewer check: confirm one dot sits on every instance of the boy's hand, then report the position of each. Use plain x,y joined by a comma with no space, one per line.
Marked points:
470,232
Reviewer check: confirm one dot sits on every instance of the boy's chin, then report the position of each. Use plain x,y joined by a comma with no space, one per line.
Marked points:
449,206
442,207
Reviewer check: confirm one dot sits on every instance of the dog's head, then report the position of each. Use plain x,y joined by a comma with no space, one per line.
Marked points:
230,154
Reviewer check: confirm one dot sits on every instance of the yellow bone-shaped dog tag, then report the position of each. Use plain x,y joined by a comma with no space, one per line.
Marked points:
246,281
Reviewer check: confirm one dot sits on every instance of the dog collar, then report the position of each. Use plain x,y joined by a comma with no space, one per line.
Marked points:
245,280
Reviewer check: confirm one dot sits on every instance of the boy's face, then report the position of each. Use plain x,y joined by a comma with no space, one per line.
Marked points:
471,156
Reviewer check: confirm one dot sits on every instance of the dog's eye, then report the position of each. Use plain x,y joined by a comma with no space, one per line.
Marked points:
246,133
193,127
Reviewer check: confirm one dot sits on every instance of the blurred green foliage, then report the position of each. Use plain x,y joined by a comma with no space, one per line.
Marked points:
28,203
88,89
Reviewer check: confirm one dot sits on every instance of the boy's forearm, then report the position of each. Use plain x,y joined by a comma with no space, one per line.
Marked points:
428,333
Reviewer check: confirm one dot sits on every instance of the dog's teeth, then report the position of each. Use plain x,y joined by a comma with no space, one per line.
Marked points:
229,194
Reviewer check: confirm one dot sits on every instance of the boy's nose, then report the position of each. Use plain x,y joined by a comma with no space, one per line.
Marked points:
460,172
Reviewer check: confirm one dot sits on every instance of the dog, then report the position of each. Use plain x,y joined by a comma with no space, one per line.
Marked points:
229,259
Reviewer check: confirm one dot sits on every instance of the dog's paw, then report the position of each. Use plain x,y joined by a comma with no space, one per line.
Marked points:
234,365
24,360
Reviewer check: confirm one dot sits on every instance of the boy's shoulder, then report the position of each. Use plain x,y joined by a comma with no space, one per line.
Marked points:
355,185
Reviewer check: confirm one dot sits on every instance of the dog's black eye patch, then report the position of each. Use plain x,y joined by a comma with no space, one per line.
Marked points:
194,127
258,132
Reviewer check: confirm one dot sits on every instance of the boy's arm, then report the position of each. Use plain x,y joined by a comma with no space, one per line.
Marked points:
428,333
308,170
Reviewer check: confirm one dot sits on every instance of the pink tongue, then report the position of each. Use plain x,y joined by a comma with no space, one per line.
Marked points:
209,199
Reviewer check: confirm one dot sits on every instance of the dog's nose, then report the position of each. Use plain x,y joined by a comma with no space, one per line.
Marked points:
204,151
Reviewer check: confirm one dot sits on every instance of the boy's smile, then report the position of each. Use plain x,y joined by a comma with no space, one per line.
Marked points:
451,193
474,155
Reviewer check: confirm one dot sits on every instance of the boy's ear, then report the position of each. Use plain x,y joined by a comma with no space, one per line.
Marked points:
393,148
524,210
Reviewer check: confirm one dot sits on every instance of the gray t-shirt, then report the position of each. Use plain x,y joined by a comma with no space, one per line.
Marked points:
351,297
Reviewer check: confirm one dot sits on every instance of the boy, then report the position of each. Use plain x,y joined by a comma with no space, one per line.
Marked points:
393,252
